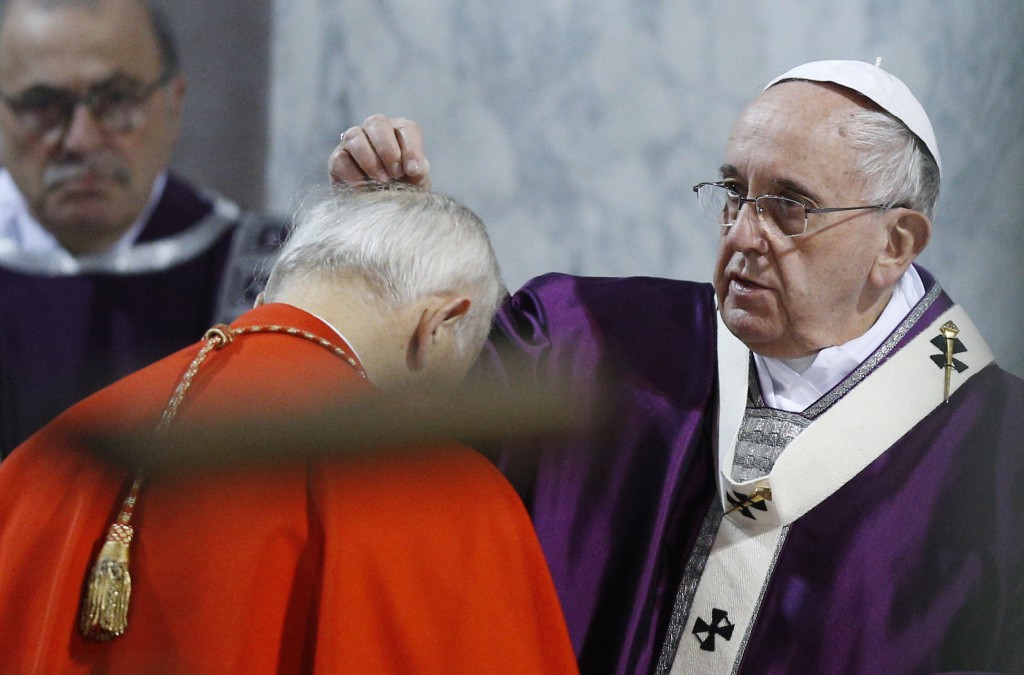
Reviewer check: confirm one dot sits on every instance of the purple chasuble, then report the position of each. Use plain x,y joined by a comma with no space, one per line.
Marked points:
64,336
916,565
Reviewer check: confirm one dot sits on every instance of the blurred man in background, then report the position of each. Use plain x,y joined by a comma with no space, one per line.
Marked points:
107,261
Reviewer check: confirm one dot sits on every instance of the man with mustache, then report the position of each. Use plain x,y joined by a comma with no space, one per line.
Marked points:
107,261
814,465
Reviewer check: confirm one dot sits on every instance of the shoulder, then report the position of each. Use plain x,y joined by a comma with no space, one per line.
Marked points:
184,208
628,313
609,302
999,395
131,404
642,332
239,242
596,292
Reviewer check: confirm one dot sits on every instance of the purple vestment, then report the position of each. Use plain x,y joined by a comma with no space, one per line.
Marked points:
915,565
64,336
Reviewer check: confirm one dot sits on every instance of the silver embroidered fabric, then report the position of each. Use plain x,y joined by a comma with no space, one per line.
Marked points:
688,586
763,435
150,256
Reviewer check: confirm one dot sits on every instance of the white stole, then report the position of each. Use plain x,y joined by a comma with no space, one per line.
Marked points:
824,457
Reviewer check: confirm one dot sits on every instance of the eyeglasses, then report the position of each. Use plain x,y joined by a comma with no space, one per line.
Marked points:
117,104
782,216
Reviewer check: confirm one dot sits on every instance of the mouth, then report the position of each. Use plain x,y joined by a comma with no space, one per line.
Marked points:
84,176
743,285
84,184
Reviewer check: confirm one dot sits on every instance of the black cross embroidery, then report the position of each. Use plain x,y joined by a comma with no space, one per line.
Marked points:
945,359
948,344
720,625
743,503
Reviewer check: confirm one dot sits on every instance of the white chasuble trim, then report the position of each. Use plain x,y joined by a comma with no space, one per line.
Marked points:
727,598
733,376
144,258
838,445
833,449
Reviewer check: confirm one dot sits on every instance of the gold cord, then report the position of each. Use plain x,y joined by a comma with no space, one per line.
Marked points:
104,613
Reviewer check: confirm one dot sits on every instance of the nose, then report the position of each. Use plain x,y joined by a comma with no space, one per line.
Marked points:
747,233
84,133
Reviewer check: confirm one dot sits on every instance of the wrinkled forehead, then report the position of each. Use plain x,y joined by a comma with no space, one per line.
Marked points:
814,108
75,44
796,132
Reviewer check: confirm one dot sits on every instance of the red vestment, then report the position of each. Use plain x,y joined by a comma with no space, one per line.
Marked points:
422,563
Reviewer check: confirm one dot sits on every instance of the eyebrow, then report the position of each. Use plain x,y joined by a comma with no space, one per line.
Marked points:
727,170
116,77
779,184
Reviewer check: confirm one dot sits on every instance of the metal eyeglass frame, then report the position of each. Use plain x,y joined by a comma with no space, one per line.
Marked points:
741,200
91,99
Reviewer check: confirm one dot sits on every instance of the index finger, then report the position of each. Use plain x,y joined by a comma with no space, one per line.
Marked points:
414,159
382,137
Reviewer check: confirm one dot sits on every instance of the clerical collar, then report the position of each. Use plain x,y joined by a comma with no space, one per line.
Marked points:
344,340
794,384
19,227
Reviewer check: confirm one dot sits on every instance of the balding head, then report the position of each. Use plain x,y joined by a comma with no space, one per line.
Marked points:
408,276
158,21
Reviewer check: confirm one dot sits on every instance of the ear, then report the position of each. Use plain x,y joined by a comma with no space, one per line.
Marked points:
435,328
175,104
907,233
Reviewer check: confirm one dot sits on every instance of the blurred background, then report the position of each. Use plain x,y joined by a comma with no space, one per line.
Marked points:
576,128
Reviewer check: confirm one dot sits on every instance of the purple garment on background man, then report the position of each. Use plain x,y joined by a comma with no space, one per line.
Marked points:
64,336
916,565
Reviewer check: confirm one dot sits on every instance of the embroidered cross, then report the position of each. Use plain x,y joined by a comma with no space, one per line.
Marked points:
720,625
743,503
948,343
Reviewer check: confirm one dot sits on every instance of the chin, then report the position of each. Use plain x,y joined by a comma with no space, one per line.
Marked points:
87,224
759,333
80,208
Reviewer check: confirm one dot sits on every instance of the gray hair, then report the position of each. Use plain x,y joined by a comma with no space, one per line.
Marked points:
899,169
159,21
405,243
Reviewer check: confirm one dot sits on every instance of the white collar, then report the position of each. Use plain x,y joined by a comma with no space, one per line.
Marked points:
794,384
19,227
337,332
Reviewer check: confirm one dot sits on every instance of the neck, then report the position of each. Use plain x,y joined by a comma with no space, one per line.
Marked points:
376,335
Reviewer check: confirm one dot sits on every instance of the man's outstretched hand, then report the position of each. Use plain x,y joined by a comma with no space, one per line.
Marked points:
383,150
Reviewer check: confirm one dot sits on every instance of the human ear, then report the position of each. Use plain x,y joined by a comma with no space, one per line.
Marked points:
907,233
175,103
435,328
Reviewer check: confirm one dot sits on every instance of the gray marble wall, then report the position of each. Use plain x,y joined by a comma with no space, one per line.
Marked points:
224,58
577,128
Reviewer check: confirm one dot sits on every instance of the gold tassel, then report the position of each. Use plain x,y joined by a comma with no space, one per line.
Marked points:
104,614
105,610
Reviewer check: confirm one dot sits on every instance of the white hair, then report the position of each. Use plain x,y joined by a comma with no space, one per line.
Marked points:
403,242
899,169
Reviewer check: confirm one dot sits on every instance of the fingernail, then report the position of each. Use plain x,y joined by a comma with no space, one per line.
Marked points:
396,170
383,177
412,167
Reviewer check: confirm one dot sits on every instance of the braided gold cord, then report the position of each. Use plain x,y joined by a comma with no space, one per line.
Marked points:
104,614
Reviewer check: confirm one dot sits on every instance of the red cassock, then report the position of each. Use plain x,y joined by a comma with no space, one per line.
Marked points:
413,563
